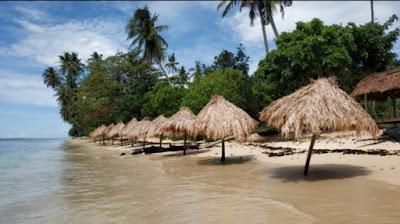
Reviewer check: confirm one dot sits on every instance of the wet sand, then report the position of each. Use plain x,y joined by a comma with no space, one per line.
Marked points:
104,187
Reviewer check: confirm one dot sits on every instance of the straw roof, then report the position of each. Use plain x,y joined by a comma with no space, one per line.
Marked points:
98,132
319,106
108,129
221,118
379,86
116,130
140,129
128,127
179,123
155,128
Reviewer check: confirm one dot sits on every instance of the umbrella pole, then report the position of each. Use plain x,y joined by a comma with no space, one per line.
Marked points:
121,141
144,143
184,145
112,141
223,150
104,143
161,136
314,137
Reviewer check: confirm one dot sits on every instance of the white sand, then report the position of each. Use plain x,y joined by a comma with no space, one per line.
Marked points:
381,168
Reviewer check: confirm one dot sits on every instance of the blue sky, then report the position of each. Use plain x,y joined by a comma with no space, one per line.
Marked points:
33,34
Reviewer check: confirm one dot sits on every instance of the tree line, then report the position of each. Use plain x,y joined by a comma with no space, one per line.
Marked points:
135,84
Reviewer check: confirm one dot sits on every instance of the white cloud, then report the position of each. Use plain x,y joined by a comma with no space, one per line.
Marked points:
25,89
33,13
43,43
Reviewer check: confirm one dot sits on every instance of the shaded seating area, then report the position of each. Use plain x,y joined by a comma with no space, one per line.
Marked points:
379,87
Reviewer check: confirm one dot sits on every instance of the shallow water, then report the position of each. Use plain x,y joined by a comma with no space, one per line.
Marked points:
46,181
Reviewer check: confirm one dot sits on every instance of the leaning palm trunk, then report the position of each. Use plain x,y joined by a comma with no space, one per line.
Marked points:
264,36
163,70
271,18
372,11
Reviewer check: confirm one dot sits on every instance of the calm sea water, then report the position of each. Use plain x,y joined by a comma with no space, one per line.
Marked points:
48,181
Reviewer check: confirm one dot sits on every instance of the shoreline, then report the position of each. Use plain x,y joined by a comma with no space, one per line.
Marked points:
334,164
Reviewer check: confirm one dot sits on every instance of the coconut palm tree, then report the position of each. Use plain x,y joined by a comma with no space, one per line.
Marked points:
256,9
262,9
71,68
145,35
51,78
172,63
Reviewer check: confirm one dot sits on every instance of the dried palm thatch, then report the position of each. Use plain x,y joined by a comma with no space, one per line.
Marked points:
181,123
221,118
140,130
128,127
379,85
319,106
96,133
155,128
108,130
116,132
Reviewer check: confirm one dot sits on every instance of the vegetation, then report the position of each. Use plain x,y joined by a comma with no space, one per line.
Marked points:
135,85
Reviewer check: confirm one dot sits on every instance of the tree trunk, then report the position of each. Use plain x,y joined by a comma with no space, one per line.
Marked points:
163,70
365,103
264,36
161,136
223,150
372,11
184,145
314,137
271,18
394,106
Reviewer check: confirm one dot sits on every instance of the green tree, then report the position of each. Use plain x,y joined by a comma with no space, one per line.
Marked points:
315,50
163,99
172,64
227,59
230,83
145,35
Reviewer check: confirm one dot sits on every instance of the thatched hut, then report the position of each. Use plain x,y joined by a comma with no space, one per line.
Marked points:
221,118
140,130
181,123
116,132
317,107
107,131
155,128
379,87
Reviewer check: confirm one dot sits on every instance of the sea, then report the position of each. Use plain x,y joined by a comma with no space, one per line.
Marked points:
53,181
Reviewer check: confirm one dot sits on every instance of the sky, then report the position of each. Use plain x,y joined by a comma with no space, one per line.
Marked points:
33,34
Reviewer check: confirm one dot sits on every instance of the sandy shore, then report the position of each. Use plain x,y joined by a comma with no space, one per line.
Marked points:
377,167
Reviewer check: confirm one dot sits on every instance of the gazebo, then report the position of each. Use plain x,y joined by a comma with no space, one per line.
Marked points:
317,107
379,87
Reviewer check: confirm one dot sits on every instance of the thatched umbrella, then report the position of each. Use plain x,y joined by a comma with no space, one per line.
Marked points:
97,132
181,123
125,132
116,132
319,106
221,118
140,130
107,131
155,128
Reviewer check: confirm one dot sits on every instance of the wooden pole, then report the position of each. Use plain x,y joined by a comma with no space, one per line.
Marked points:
121,140
161,136
184,144
112,141
104,143
223,150
144,143
394,106
365,103
314,137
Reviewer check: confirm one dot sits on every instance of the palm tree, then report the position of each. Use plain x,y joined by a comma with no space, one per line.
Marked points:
270,7
144,33
255,10
182,77
263,9
51,78
71,68
172,63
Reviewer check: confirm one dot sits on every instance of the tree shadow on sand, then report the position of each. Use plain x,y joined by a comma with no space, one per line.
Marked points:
188,152
230,160
318,172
